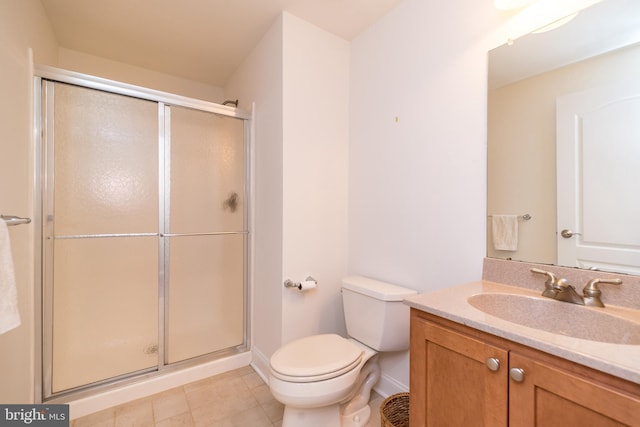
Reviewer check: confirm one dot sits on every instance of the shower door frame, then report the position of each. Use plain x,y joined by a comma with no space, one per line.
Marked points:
43,314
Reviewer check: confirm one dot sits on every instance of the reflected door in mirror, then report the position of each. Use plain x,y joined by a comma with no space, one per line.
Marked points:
598,171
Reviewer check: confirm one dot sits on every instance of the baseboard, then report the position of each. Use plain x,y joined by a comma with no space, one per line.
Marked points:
387,386
147,387
260,364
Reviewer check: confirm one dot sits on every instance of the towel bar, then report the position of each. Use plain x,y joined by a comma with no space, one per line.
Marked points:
14,220
526,217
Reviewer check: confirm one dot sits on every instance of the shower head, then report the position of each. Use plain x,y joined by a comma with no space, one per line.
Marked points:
234,103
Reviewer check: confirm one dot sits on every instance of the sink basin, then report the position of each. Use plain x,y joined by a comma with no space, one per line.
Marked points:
561,318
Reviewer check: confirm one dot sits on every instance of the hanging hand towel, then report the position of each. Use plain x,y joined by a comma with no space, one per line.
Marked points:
505,232
9,315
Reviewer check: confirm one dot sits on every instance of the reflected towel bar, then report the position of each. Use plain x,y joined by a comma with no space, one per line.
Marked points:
525,217
14,220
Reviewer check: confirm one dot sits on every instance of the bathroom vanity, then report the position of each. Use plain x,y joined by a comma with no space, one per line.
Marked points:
490,354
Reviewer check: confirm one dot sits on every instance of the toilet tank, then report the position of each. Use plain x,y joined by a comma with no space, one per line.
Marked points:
374,313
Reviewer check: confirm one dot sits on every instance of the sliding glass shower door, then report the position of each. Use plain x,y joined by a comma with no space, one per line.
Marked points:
144,236
205,239
101,235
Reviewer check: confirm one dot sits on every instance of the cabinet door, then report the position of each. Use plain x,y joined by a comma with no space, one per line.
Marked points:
548,396
451,383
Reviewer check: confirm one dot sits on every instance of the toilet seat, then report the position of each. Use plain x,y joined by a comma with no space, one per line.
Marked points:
315,358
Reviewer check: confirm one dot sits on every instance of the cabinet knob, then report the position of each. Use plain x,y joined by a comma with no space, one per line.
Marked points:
517,374
493,363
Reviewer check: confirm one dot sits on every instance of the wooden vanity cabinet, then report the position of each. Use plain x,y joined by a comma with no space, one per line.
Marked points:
461,377
551,396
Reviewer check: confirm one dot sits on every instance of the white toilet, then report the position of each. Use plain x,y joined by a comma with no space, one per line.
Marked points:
326,380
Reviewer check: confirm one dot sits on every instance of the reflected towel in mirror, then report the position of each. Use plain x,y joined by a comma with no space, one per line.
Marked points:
505,232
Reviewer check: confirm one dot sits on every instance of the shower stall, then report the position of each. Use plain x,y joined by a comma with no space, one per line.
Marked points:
144,231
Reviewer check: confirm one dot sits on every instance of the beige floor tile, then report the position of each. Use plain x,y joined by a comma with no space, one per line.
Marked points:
138,413
234,399
229,394
204,416
232,385
262,393
222,423
252,380
374,403
201,395
254,417
106,418
222,407
181,420
273,409
169,404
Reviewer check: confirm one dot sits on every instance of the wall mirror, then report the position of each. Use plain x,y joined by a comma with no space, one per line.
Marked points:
564,142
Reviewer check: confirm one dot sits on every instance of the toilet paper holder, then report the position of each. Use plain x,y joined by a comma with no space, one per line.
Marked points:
299,285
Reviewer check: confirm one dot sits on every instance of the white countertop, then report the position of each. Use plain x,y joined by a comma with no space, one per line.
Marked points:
619,360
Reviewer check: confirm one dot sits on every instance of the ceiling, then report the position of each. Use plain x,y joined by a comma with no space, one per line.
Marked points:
199,40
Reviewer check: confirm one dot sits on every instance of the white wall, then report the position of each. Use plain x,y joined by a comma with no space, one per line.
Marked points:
121,72
298,78
23,25
259,80
417,150
315,162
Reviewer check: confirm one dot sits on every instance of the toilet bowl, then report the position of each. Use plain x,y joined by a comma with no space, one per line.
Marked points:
314,376
326,380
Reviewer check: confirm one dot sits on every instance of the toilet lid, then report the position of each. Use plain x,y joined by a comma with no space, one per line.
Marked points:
315,358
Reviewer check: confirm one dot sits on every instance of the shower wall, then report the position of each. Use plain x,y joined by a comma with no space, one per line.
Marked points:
145,236
26,36
119,71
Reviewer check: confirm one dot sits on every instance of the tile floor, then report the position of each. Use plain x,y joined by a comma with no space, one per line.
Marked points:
237,398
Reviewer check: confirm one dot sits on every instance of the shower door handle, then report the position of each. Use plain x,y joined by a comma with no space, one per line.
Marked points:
231,202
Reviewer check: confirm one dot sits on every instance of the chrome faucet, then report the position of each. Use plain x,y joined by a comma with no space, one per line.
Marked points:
559,289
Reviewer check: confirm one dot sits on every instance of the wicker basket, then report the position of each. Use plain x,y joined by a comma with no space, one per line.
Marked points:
394,411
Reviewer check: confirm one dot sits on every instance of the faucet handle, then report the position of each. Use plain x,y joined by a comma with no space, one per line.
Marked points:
592,286
550,289
551,278
592,291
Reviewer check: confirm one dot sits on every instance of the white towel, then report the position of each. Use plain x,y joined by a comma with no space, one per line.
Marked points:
9,315
505,232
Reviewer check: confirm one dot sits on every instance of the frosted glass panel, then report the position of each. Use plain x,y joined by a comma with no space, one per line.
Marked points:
103,265
105,309
106,162
206,293
207,172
